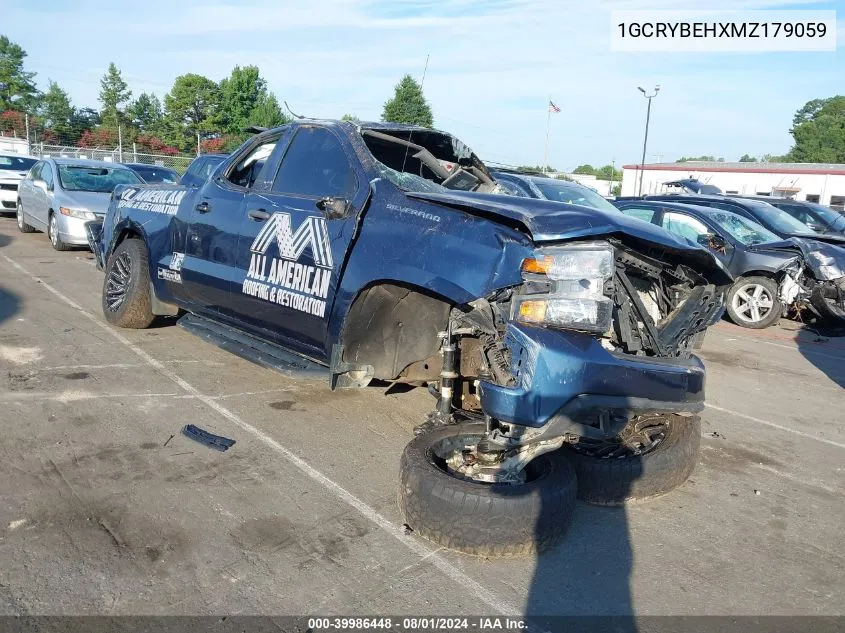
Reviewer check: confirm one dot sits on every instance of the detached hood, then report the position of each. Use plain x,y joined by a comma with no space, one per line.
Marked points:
547,221
827,252
95,201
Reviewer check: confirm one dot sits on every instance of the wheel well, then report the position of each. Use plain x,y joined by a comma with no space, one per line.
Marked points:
390,327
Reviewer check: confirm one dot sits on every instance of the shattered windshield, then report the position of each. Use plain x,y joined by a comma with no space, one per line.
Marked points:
570,193
409,182
743,230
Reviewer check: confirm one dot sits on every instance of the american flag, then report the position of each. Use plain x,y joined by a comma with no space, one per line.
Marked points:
553,107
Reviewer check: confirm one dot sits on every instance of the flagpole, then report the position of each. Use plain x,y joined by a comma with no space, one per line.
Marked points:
548,123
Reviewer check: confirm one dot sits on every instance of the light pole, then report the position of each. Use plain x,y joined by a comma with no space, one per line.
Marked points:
645,140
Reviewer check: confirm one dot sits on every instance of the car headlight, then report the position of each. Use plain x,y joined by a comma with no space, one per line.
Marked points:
828,267
565,287
82,214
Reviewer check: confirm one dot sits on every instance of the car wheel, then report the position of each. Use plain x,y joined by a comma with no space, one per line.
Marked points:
126,288
753,302
825,299
484,519
23,227
653,455
53,234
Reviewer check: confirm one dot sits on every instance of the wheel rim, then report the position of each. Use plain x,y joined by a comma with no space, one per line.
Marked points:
20,216
117,281
54,230
752,303
640,437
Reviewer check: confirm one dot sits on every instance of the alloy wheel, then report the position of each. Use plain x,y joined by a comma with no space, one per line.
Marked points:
117,283
753,302
54,230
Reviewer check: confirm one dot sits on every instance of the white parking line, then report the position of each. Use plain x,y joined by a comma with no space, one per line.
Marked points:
416,546
805,350
776,426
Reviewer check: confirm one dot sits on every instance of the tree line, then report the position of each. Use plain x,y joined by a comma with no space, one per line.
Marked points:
197,112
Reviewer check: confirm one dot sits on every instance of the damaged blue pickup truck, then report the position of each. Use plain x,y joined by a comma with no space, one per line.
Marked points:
557,339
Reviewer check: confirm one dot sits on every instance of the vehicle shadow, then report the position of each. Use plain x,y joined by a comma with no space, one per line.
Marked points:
587,574
823,345
5,240
10,304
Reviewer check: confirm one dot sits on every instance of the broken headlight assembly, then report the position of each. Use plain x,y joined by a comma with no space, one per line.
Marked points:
567,287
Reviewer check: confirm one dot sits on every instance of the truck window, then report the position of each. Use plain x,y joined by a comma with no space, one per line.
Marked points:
641,213
246,172
315,165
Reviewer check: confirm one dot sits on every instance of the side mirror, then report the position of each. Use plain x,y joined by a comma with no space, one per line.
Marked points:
713,241
41,184
333,207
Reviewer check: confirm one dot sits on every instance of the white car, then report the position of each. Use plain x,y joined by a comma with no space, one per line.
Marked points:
13,169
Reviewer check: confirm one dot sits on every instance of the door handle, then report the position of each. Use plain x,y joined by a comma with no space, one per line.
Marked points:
259,215
203,207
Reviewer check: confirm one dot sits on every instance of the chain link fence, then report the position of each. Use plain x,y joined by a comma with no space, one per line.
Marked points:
177,162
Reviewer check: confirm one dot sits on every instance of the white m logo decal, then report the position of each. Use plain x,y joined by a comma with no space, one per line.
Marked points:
312,232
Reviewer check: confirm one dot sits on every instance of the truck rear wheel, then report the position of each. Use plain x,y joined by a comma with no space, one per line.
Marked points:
653,455
483,519
126,287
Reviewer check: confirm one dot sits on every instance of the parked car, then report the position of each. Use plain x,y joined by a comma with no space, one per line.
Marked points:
555,189
349,249
693,185
818,217
60,194
767,270
824,254
13,169
154,174
201,169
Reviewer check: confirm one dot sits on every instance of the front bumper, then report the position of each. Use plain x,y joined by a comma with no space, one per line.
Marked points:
564,373
72,230
8,199
94,235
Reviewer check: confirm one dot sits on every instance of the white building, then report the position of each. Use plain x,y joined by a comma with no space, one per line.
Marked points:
815,182
12,145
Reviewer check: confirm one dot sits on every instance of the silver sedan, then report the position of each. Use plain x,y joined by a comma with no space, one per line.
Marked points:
59,195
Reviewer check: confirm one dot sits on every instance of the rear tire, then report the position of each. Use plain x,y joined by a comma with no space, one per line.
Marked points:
23,227
614,480
53,234
126,288
480,518
753,302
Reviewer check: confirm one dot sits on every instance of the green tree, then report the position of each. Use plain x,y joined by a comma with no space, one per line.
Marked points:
746,158
17,86
240,93
57,114
190,108
585,169
689,159
350,117
775,158
408,105
114,92
818,129
145,113
608,172
267,112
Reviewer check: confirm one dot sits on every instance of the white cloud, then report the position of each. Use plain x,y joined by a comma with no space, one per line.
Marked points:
493,66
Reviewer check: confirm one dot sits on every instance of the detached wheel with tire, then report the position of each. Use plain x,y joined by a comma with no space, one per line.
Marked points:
484,519
653,455
23,227
126,288
753,302
53,234
825,299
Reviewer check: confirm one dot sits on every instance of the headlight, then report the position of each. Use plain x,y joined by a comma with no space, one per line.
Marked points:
82,214
827,266
565,287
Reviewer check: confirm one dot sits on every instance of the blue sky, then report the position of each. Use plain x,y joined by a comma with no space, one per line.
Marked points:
493,66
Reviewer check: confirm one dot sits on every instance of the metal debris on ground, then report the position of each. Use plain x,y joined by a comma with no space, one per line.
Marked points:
717,435
217,442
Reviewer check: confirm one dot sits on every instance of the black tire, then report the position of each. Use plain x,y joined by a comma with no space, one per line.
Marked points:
769,286
823,300
53,234
637,478
479,518
23,227
126,297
